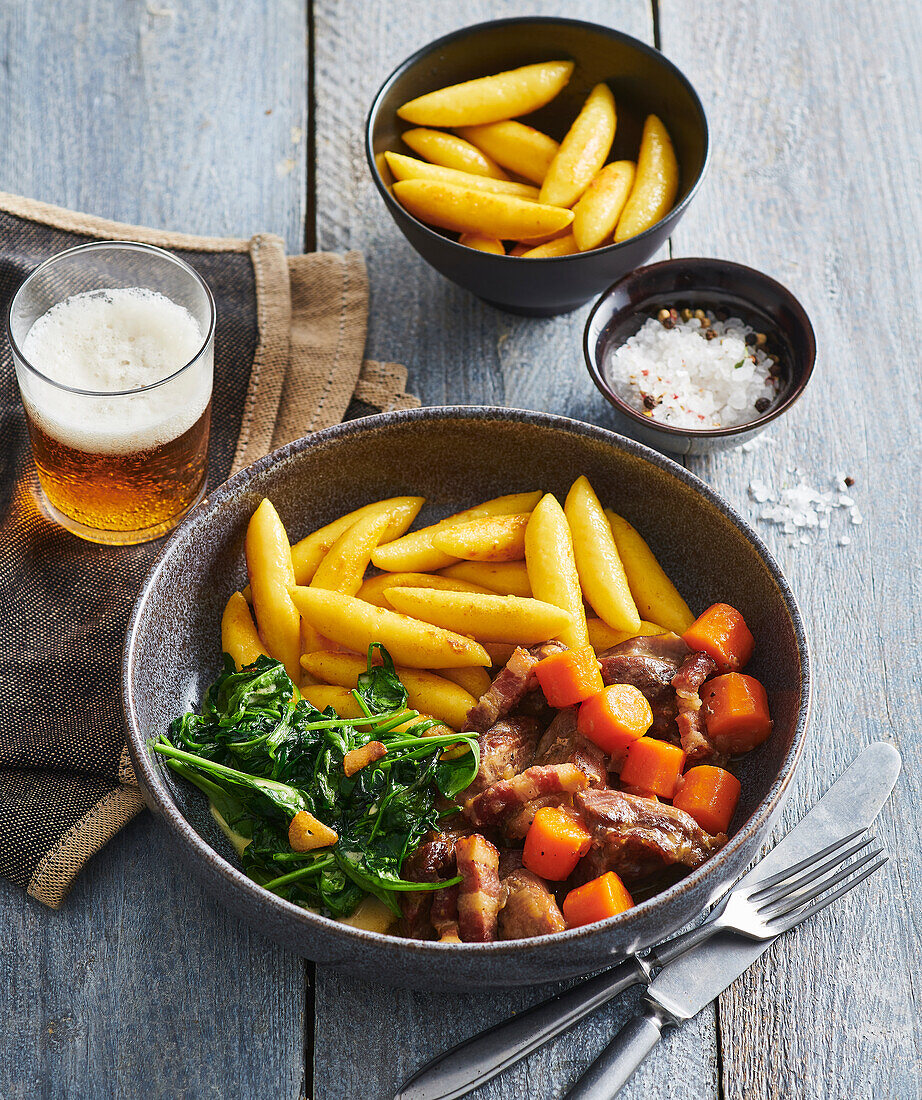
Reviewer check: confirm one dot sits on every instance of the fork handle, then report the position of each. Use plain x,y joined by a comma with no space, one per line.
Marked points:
618,1062
480,1058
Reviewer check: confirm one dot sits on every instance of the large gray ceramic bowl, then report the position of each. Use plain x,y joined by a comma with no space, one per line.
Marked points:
456,457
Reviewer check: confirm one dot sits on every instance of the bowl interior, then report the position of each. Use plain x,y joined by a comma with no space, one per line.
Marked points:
710,285
455,458
642,80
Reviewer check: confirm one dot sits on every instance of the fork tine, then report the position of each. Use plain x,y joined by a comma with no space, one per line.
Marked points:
772,880
810,874
788,904
803,914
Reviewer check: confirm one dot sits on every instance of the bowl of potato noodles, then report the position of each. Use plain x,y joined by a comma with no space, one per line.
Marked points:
534,160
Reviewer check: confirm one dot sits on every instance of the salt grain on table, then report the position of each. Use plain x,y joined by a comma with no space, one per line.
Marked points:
799,508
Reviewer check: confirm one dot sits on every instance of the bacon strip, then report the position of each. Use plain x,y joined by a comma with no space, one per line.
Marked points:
444,915
491,806
687,683
479,894
505,693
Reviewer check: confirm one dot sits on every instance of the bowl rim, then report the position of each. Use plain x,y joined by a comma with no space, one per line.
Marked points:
609,32
157,791
598,376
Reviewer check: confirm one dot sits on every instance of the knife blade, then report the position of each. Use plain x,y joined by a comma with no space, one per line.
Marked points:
689,983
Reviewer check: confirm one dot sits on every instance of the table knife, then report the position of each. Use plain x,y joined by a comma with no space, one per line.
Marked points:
853,802
689,983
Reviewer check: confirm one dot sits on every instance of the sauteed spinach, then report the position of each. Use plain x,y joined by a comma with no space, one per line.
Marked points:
261,754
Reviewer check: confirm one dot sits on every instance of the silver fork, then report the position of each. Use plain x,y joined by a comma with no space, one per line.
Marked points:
760,911
778,903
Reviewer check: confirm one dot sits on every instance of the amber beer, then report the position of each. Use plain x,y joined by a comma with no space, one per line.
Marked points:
132,491
116,384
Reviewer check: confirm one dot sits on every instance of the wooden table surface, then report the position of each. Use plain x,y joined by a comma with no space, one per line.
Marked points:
235,116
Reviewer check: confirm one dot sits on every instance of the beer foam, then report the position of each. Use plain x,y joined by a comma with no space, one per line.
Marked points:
110,341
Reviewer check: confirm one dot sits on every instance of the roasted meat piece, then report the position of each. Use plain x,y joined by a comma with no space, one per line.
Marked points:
506,748
649,663
479,894
637,837
562,743
695,669
491,806
431,862
529,908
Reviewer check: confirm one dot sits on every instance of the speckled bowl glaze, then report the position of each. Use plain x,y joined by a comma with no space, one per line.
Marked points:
456,456
643,82
697,283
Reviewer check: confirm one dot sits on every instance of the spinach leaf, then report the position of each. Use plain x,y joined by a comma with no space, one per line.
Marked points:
380,687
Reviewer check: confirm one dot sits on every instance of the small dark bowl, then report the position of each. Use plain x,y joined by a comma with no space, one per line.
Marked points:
643,82
701,284
455,457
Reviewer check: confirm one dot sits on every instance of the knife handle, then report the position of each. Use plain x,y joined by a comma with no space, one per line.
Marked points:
617,1063
480,1058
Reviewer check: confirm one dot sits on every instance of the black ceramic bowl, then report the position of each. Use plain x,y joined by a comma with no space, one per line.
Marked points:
701,284
643,82
455,457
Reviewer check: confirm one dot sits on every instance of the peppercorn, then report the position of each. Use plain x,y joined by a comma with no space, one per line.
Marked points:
709,334
700,315
775,368
849,481
762,404
761,339
687,314
751,338
649,401
663,315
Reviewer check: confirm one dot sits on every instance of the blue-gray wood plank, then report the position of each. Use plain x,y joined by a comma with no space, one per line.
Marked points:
814,109
193,115
189,116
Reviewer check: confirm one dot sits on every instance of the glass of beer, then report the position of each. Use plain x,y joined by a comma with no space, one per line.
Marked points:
113,344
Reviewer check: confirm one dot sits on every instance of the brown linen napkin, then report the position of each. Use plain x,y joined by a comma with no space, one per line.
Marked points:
288,361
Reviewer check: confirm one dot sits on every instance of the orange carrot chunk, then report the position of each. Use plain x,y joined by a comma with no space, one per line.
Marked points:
615,718
653,766
601,897
722,633
569,677
554,844
710,796
736,712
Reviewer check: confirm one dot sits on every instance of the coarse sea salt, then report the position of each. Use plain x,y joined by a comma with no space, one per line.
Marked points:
800,510
680,377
